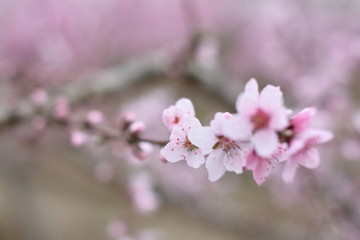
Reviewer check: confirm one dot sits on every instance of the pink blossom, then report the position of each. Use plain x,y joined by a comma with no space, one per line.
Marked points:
302,141
39,96
62,109
260,116
116,229
143,150
141,189
207,54
129,116
95,117
262,167
181,148
78,138
302,120
175,114
137,127
227,154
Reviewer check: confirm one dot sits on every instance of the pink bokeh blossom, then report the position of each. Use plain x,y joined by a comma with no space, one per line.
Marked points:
142,193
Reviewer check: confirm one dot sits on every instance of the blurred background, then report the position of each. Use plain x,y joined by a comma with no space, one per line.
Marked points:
118,60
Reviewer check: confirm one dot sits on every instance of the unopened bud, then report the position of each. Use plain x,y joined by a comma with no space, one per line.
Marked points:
62,109
39,97
137,127
78,138
95,117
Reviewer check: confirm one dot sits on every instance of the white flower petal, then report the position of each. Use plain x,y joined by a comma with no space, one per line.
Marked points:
237,128
265,142
252,88
217,124
177,135
246,105
190,122
271,97
234,161
173,153
203,138
279,119
195,158
215,166
185,106
289,171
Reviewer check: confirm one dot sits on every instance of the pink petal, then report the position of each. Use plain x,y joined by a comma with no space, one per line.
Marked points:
251,161
190,122
217,124
279,118
252,88
316,136
234,161
215,166
271,97
265,142
237,128
95,117
203,138
137,127
177,135
246,105
282,153
262,170
302,119
296,146
309,158
195,158
289,171
173,153
324,136
79,138
185,106
169,115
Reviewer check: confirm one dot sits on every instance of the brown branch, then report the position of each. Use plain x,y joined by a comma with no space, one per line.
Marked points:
105,82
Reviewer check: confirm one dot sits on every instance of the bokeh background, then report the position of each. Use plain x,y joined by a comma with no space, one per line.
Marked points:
121,56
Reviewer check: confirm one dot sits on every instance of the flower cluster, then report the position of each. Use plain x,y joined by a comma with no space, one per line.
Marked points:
261,134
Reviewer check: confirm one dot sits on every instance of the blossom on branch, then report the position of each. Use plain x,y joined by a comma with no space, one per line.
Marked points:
301,143
175,114
260,116
227,154
180,146
256,138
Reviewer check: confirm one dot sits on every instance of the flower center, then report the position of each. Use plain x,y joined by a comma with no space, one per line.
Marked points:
260,119
176,120
286,135
225,143
188,145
